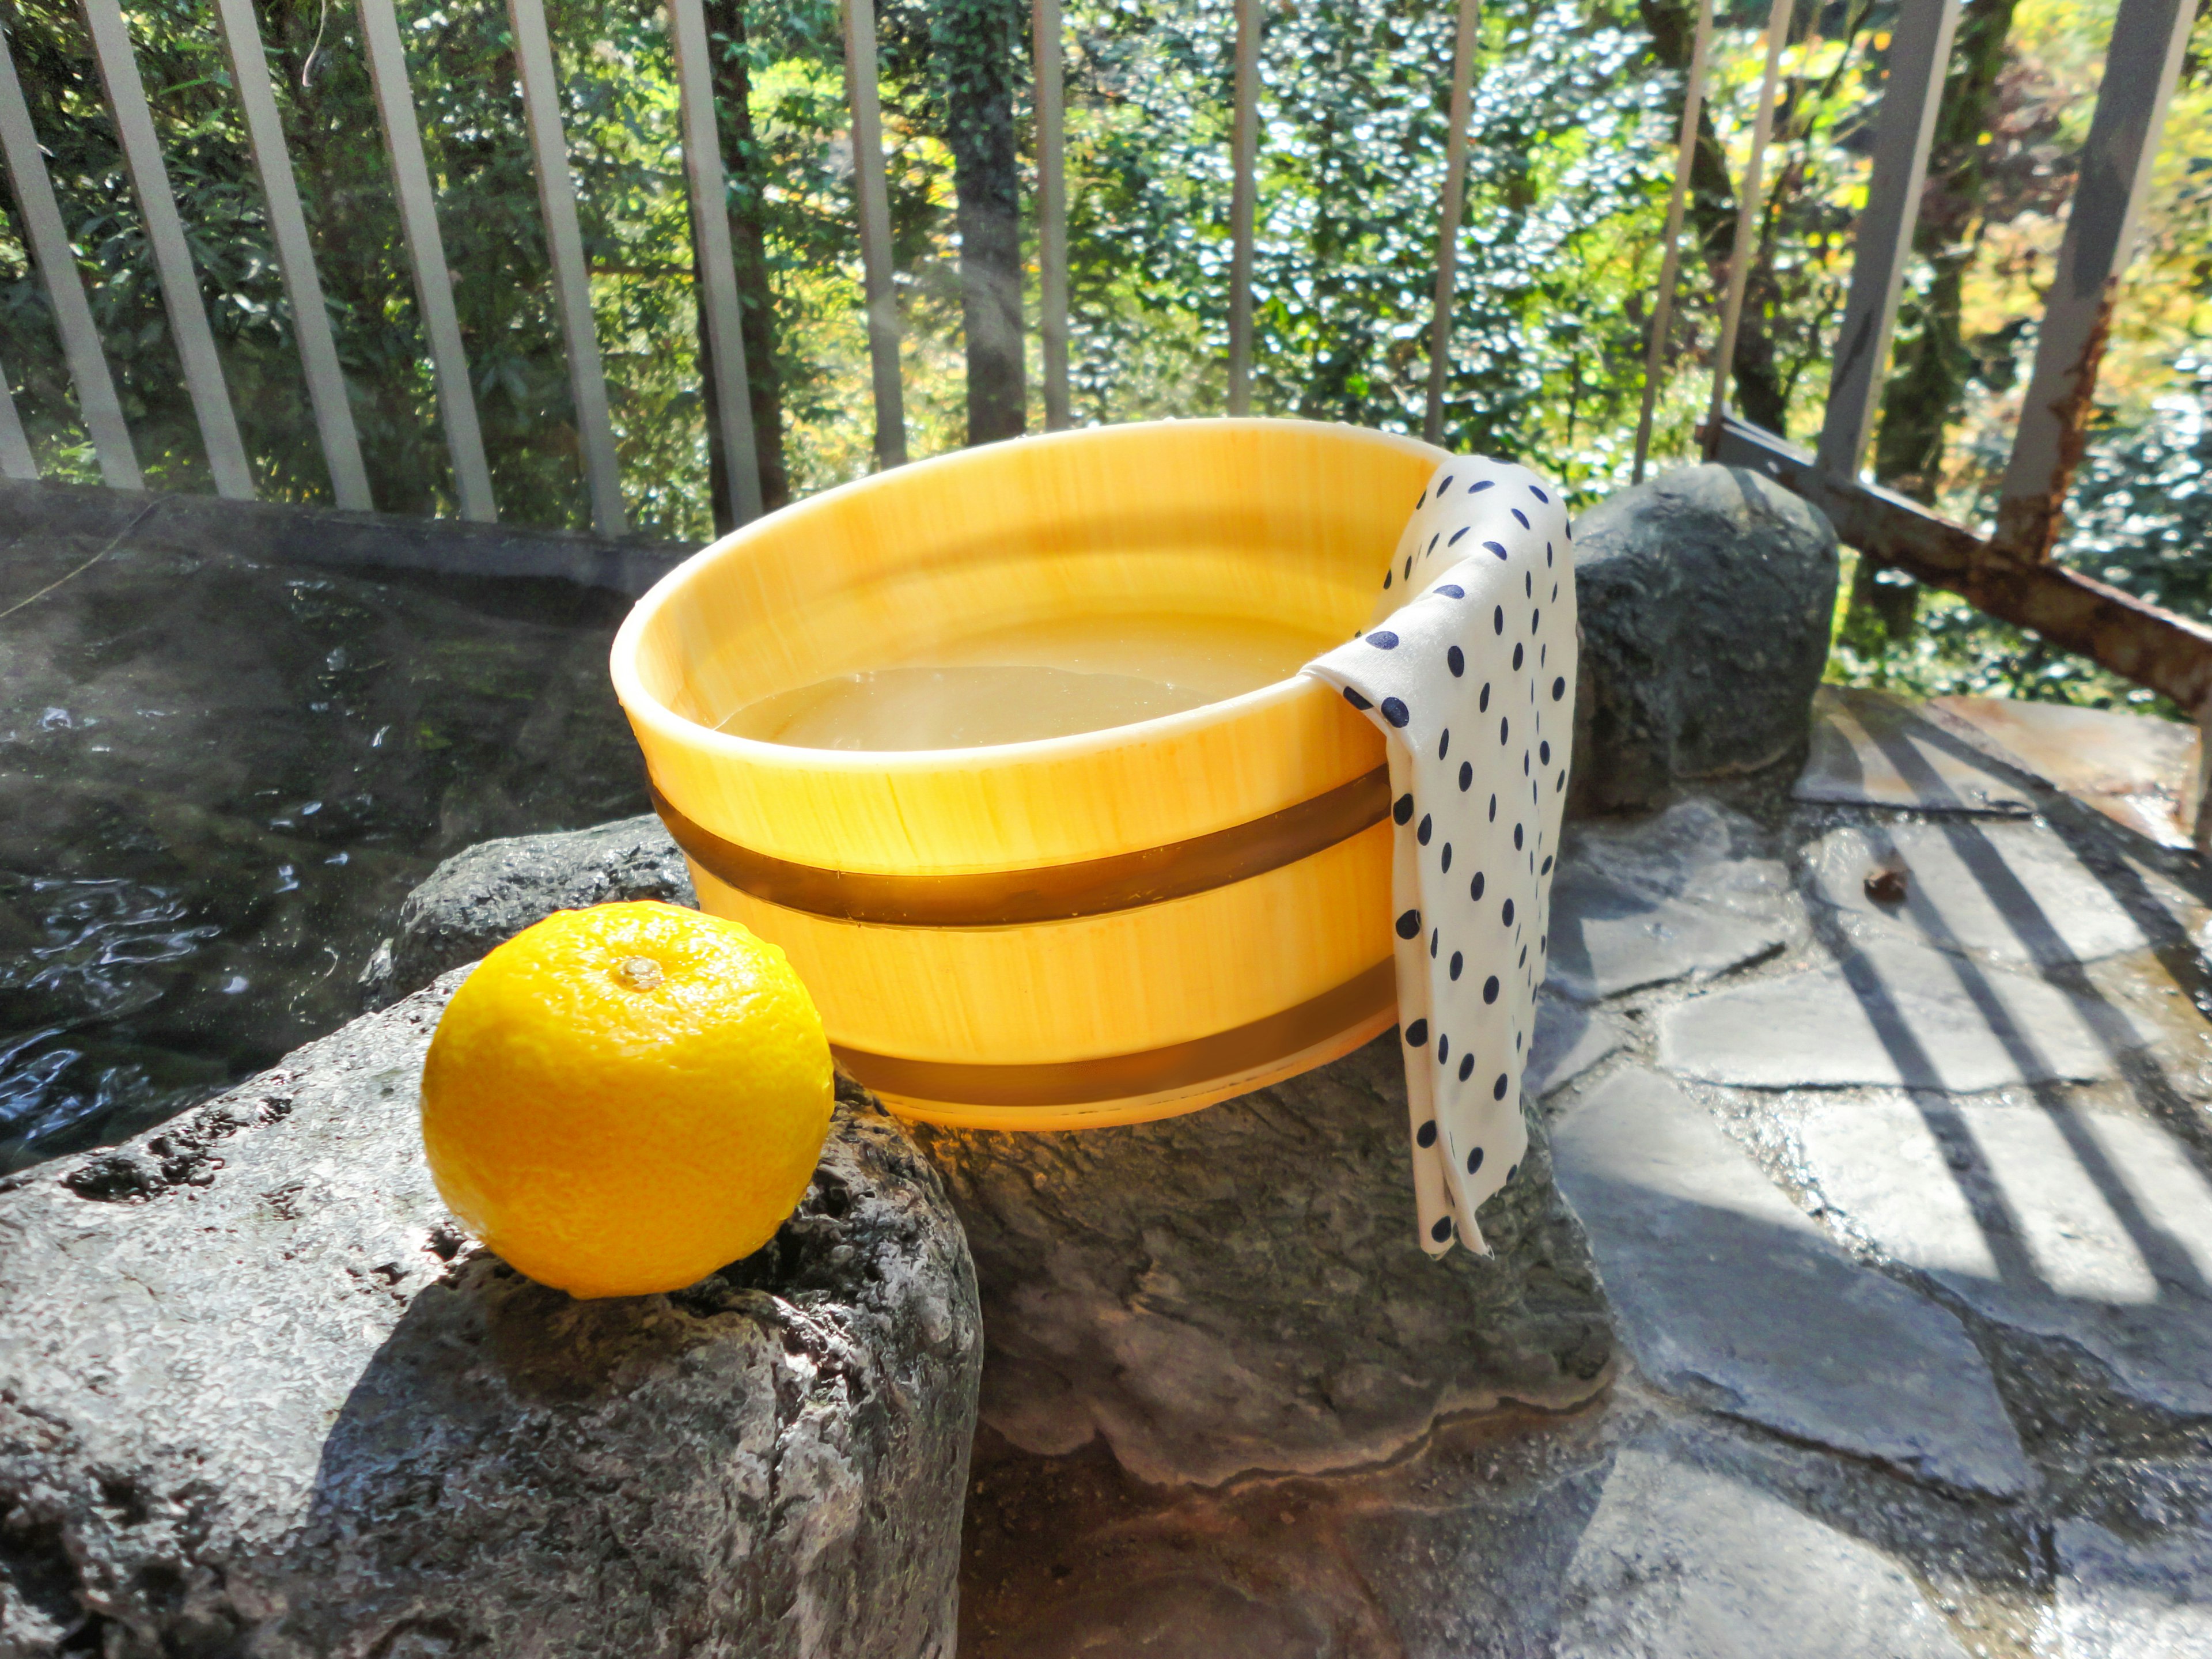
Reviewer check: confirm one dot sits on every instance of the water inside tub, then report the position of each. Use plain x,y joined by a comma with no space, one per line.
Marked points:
1042,680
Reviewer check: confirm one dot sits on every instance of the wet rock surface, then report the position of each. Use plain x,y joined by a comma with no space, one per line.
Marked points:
487,893
219,776
258,1395
1706,596
1242,1288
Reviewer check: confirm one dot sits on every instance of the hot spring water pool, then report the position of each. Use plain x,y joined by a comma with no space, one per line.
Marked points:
218,778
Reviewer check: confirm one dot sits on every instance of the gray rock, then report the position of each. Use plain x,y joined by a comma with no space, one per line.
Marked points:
1242,1288
490,892
1871,749
2092,1227
2013,891
1706,598
1898,1014
1606,939
1568,1041
2138,1582
258,1395
1681,1562
1675,897
1731,1298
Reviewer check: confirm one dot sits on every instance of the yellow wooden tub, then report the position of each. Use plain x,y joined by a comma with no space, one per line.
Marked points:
1094,928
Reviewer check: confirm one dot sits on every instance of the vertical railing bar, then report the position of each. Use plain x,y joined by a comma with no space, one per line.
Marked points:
572,281
1747,219
718,271
1243,205
97,403
1052,210
1670,261
1920,47
873,189
16,460
426,253
295,257
2141,67
165,232
1455,203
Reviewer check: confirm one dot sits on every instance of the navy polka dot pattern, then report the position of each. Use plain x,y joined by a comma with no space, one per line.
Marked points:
1455,633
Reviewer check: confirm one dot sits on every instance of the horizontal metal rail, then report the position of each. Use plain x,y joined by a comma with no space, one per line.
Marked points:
2132,637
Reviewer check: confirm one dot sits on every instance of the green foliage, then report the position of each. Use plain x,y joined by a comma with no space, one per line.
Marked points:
1570,158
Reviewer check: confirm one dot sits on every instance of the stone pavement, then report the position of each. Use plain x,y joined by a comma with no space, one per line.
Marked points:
1888,1109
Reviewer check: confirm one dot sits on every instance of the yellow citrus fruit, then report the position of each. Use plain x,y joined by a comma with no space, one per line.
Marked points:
622,1099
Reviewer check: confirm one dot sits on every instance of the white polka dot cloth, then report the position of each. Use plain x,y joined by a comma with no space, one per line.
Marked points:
1468,668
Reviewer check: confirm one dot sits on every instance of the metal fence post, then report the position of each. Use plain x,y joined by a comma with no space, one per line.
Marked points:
1454,204
16,461
2141,67
572,279
101,410
426,253
1919,49
718,273
295,256
1670,261
1052,211
873,189
1747,221
165,232
1243,205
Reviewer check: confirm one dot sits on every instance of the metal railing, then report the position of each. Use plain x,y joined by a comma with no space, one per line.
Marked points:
717,295
2009,575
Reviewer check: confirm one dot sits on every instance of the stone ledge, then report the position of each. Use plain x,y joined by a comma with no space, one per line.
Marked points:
256,1391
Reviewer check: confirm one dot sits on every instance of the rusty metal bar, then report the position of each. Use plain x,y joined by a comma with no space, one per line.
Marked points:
572,280
101,410
1670,262
295,257
426,254
2132,637
1455,203
1052,211
1919,49
173,260
1243,205
2141,67
718,271
873,188
16,461
1746,218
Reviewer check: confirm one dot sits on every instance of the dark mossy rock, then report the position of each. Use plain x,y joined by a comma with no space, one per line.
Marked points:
1706,596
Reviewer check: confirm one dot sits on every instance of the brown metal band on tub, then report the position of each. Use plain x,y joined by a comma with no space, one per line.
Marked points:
1122,1076
1055,892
